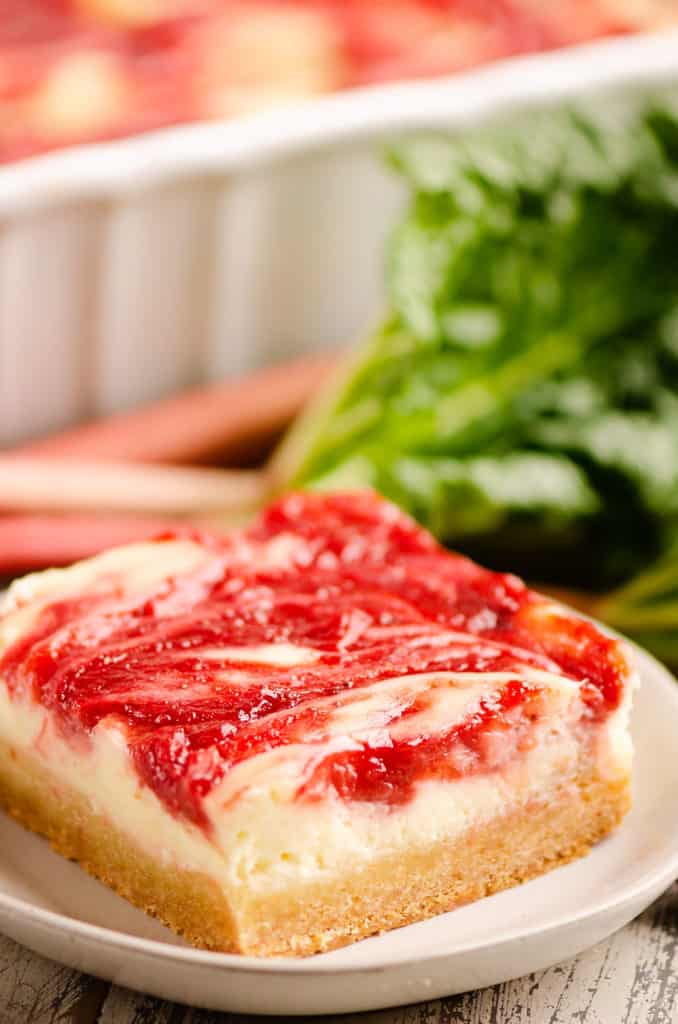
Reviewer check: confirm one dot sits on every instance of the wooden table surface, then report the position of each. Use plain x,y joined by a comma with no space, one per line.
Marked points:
631,978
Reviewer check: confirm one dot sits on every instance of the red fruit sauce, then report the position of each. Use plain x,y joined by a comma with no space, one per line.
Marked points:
367,590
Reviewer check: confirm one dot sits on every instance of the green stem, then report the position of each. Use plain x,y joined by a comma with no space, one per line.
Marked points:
661,579
629,620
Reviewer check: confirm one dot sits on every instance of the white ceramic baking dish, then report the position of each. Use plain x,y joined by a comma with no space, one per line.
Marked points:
131,269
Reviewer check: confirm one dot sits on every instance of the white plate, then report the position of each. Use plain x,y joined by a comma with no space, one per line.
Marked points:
53,907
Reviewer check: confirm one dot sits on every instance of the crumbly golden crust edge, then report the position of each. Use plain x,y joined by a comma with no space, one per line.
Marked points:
391,892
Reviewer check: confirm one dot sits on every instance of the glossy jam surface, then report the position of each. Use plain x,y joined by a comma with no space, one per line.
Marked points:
499,729
356,594
84,70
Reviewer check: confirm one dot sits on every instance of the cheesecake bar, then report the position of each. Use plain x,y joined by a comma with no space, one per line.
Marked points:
322,727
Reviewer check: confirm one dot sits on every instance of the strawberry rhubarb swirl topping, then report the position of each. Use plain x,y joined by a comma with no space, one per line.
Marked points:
288,631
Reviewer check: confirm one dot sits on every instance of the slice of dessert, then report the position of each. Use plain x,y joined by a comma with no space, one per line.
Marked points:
317,729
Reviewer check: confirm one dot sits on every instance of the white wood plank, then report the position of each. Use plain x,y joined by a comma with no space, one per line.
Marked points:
125,1007
38,991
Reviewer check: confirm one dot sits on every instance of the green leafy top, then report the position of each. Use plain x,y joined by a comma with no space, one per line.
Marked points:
521,398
